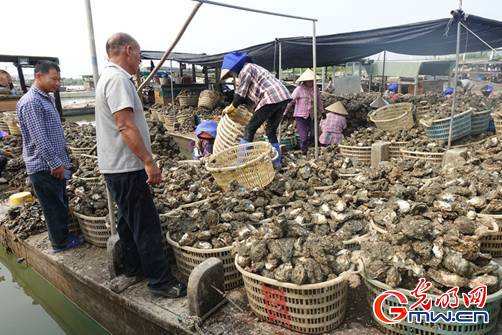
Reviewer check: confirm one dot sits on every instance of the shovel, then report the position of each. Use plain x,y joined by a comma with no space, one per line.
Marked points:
114,248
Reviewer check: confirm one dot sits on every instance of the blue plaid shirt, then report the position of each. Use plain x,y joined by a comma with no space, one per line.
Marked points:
44,146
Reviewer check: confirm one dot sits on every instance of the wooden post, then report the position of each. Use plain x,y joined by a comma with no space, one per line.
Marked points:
21,78
194,75
181,70
206,75
57,97
415,90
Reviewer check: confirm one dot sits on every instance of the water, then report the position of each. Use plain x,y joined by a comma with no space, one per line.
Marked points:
31,305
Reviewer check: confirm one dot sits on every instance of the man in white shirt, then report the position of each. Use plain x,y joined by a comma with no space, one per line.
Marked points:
125,159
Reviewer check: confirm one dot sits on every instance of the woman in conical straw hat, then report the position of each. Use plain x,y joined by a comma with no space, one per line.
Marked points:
303,104
334,124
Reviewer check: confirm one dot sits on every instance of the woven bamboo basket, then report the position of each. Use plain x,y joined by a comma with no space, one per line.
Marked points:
231,129
393,117
79,151
356,153
498,125
208,99
248,164
187,258
422,109
395,149
13,128
310,309
433,157
96,230
189,100
91,181
3,125
492,306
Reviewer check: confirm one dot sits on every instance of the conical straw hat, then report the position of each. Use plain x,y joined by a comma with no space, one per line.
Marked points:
308,75
337,108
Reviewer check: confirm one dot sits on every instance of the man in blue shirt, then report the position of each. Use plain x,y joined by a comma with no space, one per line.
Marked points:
45,154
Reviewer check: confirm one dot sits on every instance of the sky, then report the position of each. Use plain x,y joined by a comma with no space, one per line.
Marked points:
59,27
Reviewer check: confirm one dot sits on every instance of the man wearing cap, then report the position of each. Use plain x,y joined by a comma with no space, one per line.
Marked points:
267,92
303,104
334,124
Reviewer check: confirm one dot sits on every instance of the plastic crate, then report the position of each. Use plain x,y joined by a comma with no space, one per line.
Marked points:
440,129
310,309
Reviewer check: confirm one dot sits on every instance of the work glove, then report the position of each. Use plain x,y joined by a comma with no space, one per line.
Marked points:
323,116
229,109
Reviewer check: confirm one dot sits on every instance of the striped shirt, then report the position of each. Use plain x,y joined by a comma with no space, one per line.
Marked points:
303,102
260,86
44,146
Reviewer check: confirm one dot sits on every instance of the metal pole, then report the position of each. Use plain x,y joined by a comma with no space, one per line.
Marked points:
92,43
254,10
172,78
168,51
383,73
455,85
314,66
280,60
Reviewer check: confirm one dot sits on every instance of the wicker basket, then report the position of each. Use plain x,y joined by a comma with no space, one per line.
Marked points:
356,153
248,164
3,125
187,100
208,99
13,128
231,129
433,157
187,258
310,309
498,125
422,109
393,117
440,129
395,149
440,328
492,242
79,151
96,230
480,122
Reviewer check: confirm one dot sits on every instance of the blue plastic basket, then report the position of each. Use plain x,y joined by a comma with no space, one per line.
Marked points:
440,129
480,122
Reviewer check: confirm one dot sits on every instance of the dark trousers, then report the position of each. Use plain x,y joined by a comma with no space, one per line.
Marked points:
51,194
272,114
3,163
305,128
139,227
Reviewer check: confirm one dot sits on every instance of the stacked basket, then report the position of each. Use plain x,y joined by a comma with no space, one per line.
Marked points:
356,153
231,129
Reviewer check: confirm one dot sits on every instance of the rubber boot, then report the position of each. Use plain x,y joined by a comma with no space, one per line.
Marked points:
277,163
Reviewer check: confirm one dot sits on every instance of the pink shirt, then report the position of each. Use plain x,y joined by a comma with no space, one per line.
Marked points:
260,86
332,128
303,101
